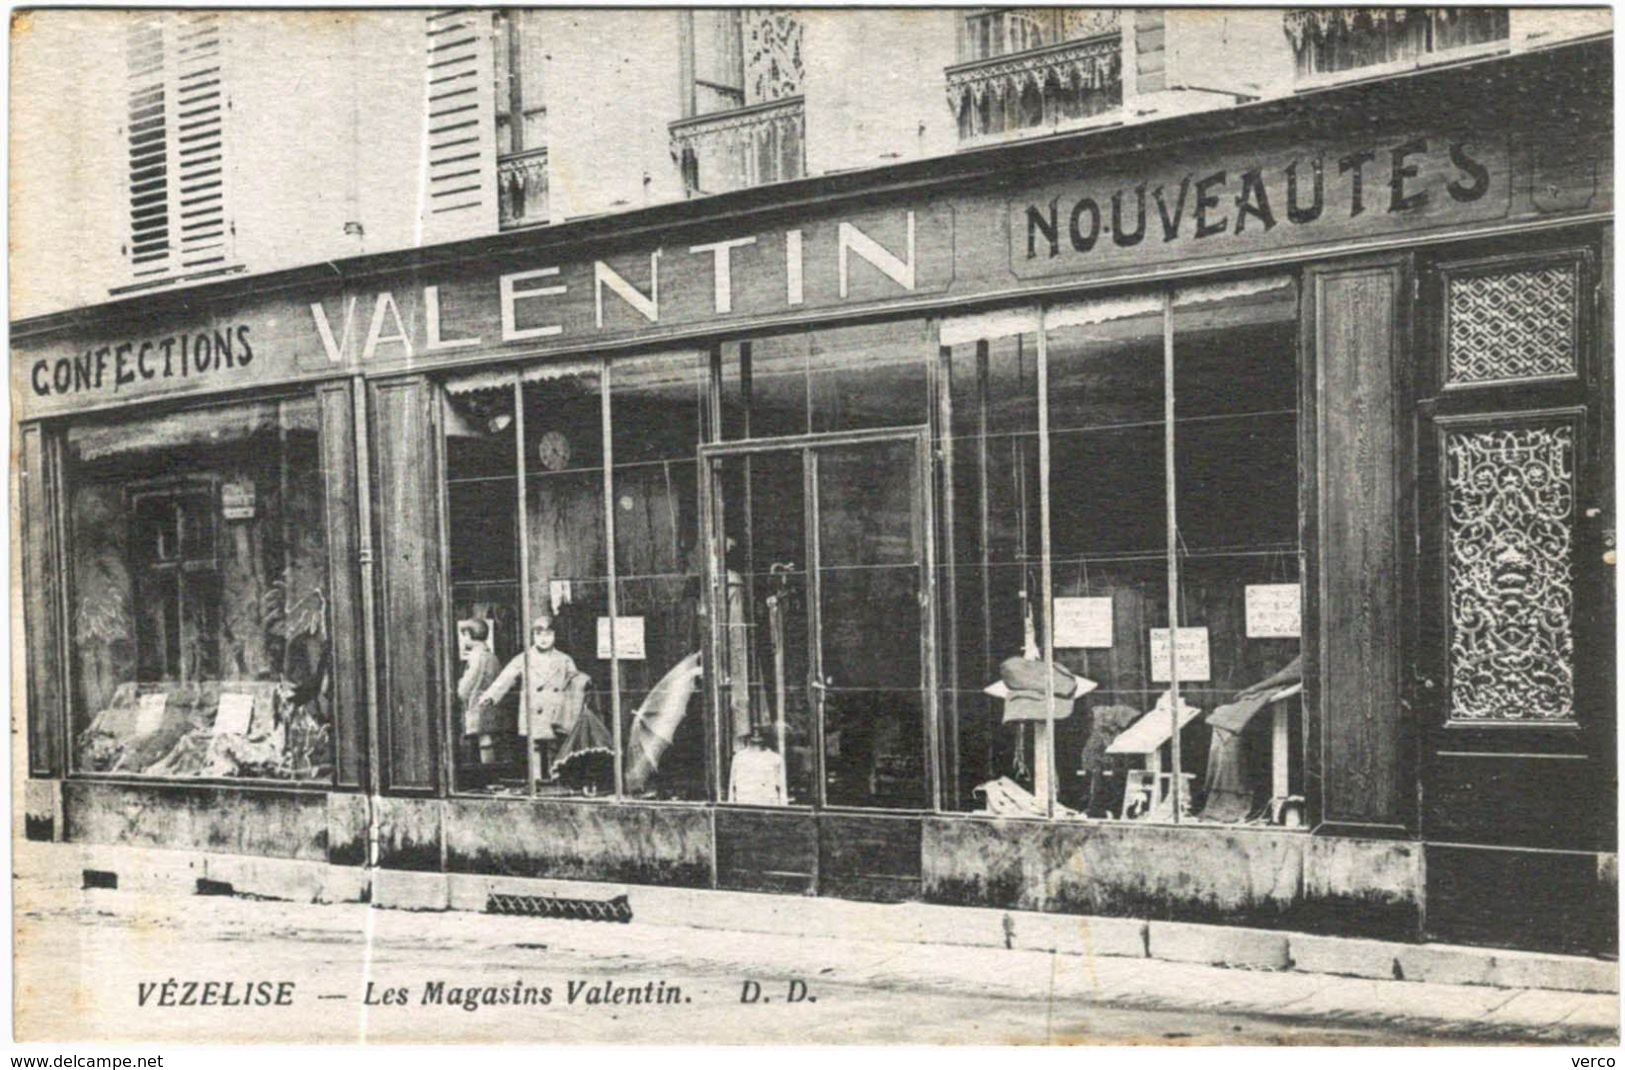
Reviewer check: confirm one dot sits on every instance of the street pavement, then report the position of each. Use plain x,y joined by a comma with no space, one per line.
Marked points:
93,965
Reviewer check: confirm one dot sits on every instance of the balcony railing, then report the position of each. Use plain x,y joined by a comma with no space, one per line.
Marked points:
744,147
1046,86
522,189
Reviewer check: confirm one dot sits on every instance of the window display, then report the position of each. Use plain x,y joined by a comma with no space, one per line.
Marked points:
579,689
198,594
1127,529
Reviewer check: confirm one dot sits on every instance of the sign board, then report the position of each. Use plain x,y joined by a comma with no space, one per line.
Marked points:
628,638
1247,202
235,715
1274,610
237,500
149,713
1193,655
1083,623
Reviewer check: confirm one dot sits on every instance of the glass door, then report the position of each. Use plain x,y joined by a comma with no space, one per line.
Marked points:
821,620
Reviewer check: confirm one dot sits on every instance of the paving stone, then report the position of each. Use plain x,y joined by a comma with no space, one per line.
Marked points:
1444,964
400,889
1218,945
1570,973
1341,956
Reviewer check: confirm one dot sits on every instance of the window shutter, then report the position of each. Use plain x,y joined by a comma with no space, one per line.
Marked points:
175,135
146,133
200,107
459,195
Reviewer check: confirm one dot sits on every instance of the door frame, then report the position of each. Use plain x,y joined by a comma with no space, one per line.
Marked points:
924,519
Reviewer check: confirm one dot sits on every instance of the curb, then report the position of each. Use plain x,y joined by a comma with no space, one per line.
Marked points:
167,872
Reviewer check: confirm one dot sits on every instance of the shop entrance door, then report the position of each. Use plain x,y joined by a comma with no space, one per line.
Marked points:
821,609
1514,683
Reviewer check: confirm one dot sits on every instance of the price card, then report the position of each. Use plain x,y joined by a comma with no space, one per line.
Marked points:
149,712
1193,657
1274,611
235,715
628,638
1083,623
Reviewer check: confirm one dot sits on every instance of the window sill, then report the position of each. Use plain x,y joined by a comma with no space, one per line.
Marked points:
167,281
1310,82
1115,117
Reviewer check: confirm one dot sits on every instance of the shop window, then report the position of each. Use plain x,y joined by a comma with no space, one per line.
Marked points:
1034,68
175,136
822,618
1169,548
521,117
1329,40
198,595
828,380
657,410
549,690
743,119
991,575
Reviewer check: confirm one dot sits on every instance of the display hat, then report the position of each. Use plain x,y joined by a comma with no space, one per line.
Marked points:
1025,685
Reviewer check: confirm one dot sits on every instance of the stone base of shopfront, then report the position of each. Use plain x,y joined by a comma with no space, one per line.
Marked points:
193,872
1233,894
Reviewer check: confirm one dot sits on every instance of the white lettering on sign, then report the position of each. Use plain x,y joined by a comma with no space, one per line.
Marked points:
894,262
338,351
722,269
1083,623
431,325
385,304
1274,611
900,271
648,306
1193,655
510,296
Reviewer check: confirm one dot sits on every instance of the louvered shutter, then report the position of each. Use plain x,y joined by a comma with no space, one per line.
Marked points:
459,174
175,134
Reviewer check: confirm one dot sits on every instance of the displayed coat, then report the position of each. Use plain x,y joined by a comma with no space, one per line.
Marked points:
558,692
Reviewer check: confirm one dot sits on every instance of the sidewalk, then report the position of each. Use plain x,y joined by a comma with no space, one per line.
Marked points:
882,947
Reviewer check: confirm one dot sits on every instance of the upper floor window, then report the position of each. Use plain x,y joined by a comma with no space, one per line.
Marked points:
1025,68
742,119
1329,40
521,118
175,140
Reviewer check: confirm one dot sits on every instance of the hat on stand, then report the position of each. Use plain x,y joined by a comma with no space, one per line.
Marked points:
1025,685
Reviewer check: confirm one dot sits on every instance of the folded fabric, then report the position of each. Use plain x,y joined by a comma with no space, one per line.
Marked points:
1234,716
1154,729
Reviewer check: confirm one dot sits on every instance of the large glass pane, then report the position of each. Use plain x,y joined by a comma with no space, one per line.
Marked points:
1108,537
767,741
992,570
567,697
870,558
482,510
870,376
832,379
657,405
1236,465
198,606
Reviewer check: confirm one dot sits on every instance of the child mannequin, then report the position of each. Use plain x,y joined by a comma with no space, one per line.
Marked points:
557,691
479,669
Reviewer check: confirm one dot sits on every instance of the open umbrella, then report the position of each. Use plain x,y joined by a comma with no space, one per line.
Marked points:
655,723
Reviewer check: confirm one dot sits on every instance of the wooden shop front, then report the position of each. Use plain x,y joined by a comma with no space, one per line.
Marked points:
684,547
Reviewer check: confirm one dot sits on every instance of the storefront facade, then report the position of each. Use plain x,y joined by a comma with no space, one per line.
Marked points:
683,547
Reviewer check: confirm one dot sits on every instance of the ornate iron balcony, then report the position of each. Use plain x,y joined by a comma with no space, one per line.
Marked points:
748,146
1044,86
